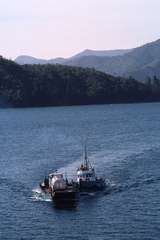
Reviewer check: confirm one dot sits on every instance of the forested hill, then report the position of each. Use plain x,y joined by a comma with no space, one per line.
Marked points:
55,85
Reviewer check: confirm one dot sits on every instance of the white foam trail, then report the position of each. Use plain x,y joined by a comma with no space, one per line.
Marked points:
37,190
41,199
39,195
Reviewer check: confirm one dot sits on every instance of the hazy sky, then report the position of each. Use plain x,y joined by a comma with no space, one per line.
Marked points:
51,28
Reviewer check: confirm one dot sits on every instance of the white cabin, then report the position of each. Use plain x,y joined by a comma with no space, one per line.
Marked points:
57,182
84,173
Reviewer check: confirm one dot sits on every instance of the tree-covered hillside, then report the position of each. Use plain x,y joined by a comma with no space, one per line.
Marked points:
142,62
55,85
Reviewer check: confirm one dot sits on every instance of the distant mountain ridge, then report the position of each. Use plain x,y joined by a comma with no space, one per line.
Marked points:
25,59
140,63
102,53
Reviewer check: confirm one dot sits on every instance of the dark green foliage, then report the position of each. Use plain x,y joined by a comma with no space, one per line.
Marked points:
55,85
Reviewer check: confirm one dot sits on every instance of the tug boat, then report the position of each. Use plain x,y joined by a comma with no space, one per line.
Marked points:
64,192
86,177
59,188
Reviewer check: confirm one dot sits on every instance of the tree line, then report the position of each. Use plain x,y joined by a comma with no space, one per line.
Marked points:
56,85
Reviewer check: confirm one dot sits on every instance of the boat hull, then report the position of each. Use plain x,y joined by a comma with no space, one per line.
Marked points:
64,196
92,185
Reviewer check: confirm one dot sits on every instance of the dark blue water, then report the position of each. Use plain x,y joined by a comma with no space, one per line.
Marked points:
124,145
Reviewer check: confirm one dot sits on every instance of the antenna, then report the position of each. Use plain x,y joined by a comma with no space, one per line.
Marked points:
65,173
85,156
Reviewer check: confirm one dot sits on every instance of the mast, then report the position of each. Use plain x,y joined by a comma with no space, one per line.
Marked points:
85,156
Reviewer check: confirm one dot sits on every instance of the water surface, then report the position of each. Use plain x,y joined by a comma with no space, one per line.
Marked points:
124,145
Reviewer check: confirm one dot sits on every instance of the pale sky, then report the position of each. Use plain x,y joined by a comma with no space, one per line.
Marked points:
61,28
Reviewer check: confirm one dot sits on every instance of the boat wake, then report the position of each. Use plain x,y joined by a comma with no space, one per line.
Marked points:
118,188
118,172
39,196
